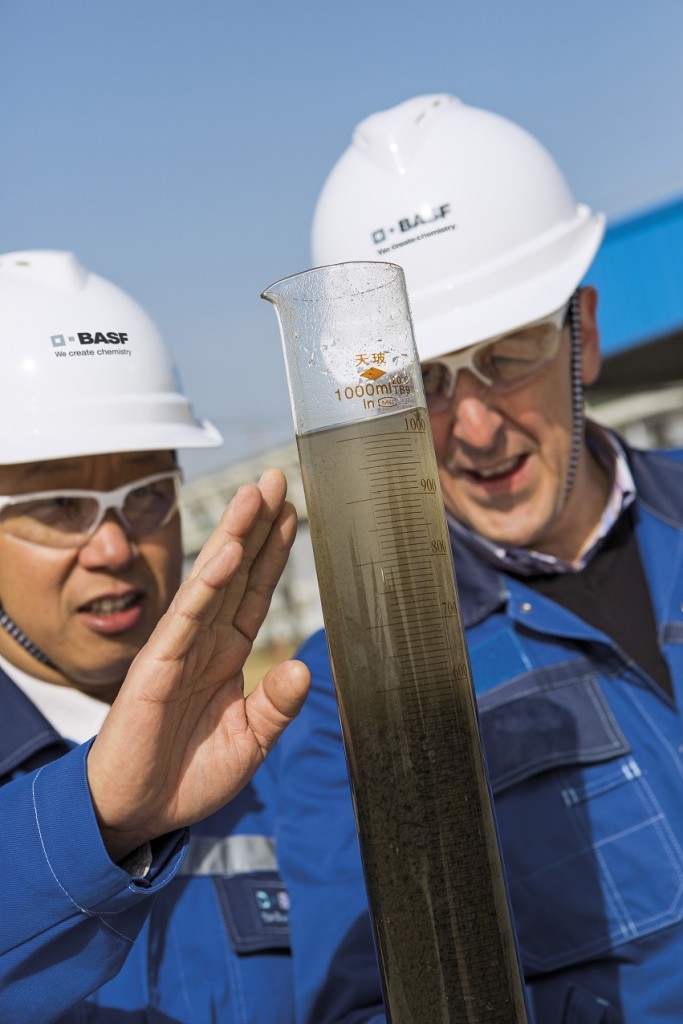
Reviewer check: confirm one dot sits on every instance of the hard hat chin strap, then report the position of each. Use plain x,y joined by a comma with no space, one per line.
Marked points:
17,634
577,390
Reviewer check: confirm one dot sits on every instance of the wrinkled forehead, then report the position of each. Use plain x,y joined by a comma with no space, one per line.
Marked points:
99,472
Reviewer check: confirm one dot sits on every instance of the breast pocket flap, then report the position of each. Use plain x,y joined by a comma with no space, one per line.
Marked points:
552,716
255,907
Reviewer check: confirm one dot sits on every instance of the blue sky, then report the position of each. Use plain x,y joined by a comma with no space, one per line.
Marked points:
178,148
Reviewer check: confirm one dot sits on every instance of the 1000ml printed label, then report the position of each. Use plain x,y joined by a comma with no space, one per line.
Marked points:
403,684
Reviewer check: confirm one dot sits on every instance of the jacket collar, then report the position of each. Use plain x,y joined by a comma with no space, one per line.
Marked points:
658,477
24,730
483,589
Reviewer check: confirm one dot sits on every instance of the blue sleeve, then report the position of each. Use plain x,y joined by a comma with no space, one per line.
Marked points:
335,967
69,914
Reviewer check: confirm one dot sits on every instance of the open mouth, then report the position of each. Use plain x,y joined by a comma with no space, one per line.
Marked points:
501,471
112,605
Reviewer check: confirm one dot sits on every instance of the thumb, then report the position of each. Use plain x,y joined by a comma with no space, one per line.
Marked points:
276,701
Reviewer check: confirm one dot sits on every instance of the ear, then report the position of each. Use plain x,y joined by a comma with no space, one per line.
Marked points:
590,336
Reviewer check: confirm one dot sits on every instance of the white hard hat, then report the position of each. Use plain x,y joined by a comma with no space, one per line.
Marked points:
83,370
471,206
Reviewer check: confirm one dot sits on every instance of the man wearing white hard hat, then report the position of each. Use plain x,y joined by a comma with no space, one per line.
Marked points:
111,912
568,550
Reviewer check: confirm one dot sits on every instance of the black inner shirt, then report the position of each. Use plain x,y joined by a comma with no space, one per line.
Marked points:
611,593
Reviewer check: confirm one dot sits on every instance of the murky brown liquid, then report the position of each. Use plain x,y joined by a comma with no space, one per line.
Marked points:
402,676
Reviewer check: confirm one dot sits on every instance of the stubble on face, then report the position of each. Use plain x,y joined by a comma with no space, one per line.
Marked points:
504,461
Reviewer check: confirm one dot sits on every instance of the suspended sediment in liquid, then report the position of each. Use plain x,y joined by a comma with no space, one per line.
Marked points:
401,671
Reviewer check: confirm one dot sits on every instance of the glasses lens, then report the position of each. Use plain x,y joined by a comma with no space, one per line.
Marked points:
151,506
436,380
54,522
502,364
517,357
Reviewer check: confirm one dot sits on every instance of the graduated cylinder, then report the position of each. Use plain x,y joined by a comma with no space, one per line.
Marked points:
423,809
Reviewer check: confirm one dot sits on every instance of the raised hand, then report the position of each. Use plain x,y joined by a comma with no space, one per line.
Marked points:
181,739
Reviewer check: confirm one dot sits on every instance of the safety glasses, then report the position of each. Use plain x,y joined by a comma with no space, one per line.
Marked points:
68,518
502,363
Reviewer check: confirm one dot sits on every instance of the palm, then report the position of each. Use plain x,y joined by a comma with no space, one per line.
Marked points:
181,740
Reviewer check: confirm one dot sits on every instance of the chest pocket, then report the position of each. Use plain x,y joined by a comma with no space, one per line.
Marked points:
590,858
255,909
251,896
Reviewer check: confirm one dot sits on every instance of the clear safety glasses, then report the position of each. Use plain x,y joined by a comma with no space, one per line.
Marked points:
502,363
68,518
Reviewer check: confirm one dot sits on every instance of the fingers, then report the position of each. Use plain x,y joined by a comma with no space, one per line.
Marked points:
196,604
276,701
248,517
234,576
264,575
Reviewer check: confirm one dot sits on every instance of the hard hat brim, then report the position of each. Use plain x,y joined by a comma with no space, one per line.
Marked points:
58,433
526,287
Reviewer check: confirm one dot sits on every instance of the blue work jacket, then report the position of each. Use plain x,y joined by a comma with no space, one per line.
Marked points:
584,753
203,938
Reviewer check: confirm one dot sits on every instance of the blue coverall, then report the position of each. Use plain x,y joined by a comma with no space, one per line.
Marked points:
203,938
584,754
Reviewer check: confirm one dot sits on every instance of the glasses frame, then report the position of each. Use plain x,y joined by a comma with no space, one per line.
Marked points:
107,501
464,360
